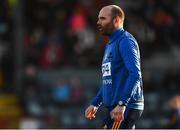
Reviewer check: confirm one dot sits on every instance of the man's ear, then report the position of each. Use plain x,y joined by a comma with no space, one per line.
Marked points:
116,20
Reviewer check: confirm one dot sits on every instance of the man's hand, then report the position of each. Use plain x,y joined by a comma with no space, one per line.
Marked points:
118,113
90,112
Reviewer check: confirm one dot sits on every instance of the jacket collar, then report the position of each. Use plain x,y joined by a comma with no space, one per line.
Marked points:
115,35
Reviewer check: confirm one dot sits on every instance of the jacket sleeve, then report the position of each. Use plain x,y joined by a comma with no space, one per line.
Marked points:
130,54
98,99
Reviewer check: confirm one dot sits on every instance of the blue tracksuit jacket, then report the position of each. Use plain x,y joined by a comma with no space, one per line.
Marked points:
121,73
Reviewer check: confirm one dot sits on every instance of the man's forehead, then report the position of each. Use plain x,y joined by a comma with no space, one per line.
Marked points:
106,11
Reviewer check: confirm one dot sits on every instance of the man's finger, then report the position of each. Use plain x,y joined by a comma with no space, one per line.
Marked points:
93,112
118,116
89,113
93,115
87,110
86,113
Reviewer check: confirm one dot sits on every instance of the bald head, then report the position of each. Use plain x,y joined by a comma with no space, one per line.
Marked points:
114,11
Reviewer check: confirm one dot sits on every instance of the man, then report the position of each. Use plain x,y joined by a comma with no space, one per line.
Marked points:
121,91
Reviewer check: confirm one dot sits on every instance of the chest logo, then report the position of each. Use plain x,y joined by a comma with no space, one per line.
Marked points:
106,69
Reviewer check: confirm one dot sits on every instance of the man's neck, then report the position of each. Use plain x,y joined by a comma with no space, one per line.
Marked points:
116,29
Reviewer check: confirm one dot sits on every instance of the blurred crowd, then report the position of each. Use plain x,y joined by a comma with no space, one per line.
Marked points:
62,52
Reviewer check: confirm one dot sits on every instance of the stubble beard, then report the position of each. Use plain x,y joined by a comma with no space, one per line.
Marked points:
106,33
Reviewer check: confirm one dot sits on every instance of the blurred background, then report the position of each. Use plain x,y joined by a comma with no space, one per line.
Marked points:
50,61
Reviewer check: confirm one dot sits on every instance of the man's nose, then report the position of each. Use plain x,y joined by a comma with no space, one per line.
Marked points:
98,22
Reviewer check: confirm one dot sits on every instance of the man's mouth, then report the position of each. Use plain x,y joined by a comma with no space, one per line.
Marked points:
100,28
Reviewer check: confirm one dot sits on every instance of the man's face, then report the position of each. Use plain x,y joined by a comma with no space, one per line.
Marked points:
105,22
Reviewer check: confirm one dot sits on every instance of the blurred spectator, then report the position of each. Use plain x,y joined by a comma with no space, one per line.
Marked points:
86,40
31,98
83,33
175,117
29,122
78,19
77,91
30,75
162,18
33,44
61,92
52,55
32,101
